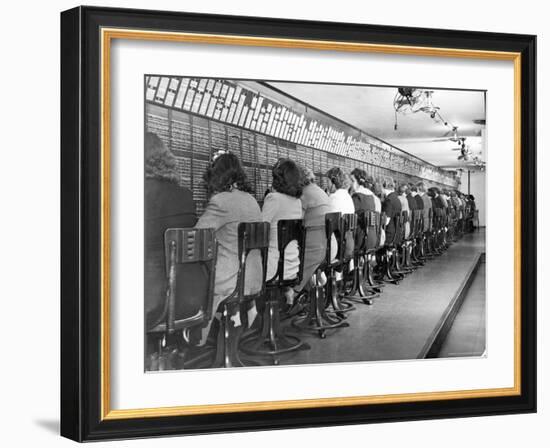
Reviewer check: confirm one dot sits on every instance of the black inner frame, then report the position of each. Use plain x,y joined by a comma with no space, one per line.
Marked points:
80,223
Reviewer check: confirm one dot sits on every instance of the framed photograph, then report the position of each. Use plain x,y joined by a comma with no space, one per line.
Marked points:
274,224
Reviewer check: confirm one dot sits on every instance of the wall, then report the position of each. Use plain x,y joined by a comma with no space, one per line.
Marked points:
30,238
477,188
194,139
264,111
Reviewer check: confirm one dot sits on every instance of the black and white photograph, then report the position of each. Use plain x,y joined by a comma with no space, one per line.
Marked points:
291,223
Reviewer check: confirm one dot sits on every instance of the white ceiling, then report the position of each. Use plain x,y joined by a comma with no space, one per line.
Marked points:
371,110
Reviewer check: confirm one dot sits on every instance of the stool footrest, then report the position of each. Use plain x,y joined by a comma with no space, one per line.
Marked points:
367,300
304,323
265,346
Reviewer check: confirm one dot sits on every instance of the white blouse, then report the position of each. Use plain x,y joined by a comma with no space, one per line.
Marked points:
341,201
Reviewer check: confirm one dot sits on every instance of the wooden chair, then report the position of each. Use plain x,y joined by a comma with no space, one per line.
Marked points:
439,231
402,264
417,250
316,318
336,270
451,224
430,236
271,340
360,278
376,223
190,270
252,236
388,255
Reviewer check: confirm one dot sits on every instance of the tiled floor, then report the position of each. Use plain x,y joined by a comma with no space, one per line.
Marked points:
400,322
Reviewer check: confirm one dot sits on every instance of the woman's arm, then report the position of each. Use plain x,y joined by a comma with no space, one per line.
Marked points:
270,208
215,215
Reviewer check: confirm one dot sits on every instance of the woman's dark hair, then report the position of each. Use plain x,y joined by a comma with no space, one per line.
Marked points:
224,173
360,175
432,191
337,177
363,178
287,178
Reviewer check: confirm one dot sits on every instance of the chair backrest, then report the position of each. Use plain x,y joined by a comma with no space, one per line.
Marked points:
333,226
252,236
361,231
373,222
349,222
438,218
348,228
191,270
415,222
399,228
289,230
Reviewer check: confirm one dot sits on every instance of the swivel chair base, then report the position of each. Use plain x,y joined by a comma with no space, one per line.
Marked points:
317,320
271,340
227,345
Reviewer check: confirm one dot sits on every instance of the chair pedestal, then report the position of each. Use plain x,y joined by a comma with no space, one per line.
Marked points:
406,257
369,270
362,276
227,347
272,340
336,303
388,262
316,319
398,269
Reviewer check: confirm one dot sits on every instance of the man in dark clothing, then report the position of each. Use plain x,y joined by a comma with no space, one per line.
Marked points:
392,208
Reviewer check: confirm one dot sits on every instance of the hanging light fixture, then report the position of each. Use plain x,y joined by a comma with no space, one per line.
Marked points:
428,106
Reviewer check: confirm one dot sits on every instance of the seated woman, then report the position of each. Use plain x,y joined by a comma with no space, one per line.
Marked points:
405,208
166,205
413,206
341,201
283,203
378,191
392,208
364,200
230,204
315,205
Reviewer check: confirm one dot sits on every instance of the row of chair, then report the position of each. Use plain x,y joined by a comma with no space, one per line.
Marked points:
356,274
